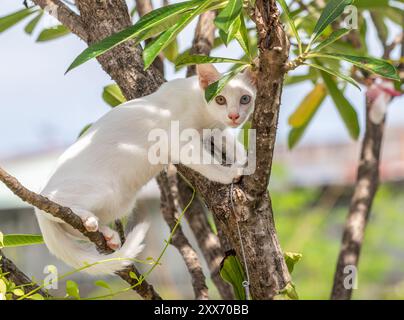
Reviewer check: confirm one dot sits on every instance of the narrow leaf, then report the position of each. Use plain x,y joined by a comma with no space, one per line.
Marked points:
242,37
162,41
336,35
378,66
187,59
291,23
335,73
344,107
53,33
30,27
18,240
214,89
148,21
12,19
332,11
232,272
226,17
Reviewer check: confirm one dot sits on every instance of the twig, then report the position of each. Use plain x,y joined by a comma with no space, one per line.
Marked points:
203,38
18,277
65,16
68,216
170,208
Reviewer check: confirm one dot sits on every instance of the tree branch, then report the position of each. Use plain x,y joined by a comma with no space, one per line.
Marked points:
68,216
366,186
16,276
171,209
65,16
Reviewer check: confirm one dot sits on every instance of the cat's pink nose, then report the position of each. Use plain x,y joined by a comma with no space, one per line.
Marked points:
233,116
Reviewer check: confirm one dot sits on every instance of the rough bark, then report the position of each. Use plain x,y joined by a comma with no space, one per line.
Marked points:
267,267
16,276
208,242
361,203
144,289
171,209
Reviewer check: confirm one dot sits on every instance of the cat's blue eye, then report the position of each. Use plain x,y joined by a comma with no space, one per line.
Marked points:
246,99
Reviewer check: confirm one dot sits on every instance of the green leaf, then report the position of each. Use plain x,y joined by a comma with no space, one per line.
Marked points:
84,130
18,240
102,284
287,293
3,287
53,33
36,296
133,275
378,66
171,51
113,95
30,27
371,4
333,10
344,107
18,292
228,35
214,89
163,40
232,272
12,19
335,73
291,23
72,289
336,35
148,21
228,15
291,258
1,240
242,37
187,59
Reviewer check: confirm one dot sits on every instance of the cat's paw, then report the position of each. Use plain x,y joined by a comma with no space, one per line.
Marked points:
234,175
112,237
91,223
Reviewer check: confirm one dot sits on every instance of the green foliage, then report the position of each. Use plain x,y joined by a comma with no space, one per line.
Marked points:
332,11
187,59
19,240
30,27
113,95
373,65
72,290
214,89
232,272
53,33
10,20
344,107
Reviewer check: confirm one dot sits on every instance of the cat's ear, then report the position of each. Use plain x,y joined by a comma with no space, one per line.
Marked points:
207,74
251,74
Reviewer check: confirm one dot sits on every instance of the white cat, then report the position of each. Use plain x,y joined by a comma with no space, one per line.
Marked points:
99,175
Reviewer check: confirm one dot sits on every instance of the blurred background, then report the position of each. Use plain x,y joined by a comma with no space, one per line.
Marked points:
42,112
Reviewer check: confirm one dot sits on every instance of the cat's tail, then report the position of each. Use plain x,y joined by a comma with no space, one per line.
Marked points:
77,254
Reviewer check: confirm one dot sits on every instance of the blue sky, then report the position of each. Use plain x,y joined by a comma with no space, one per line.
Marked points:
42,107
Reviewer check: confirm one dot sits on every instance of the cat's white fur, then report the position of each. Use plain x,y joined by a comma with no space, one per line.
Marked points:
99,175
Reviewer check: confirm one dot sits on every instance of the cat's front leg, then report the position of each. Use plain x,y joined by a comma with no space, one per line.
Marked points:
214,171
235,151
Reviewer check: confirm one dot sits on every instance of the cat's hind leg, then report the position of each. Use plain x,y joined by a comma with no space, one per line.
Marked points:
112,237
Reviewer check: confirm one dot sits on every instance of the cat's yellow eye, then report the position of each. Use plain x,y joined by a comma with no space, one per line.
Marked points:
220,100
245,99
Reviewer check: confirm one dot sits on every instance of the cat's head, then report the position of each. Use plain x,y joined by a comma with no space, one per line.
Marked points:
235,102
